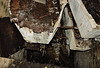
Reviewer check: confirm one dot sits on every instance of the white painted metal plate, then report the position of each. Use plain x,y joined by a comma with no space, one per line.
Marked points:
72,41
85,22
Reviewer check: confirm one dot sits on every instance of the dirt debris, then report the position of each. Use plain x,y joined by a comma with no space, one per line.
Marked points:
34,15
93,7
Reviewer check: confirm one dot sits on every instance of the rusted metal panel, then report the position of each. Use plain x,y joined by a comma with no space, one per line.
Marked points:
87,26
44,36
29,34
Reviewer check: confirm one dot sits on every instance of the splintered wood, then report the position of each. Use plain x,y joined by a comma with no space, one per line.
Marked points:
35,15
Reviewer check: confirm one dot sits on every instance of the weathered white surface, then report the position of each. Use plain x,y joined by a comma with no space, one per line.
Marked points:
28,34
5,62
41,1
86,24
43,37
72,41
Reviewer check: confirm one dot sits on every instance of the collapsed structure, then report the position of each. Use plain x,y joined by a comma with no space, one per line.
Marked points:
46,28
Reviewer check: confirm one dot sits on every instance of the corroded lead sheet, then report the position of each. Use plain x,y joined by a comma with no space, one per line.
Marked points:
36,22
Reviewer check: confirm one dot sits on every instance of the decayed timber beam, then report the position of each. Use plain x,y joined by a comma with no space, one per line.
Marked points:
85,22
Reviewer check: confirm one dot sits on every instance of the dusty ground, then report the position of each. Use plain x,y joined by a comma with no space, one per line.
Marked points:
93,6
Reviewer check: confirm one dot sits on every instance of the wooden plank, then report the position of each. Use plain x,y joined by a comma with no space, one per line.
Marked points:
28,34
73,42
5,62
86,24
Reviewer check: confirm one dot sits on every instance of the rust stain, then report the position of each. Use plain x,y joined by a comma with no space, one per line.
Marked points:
34,15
